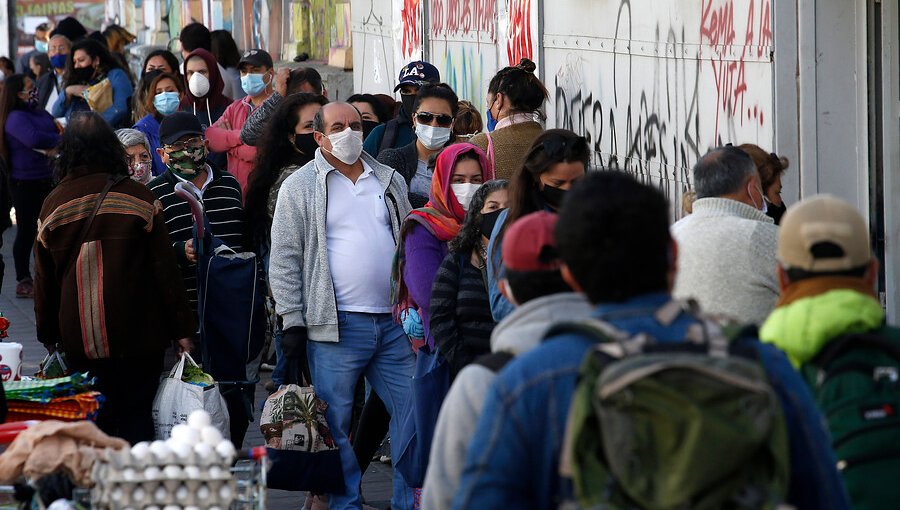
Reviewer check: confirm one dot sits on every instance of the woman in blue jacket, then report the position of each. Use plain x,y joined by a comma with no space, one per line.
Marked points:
29,132
89,64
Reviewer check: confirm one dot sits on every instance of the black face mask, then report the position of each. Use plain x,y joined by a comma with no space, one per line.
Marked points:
488,220
82,74
368,126
776,211
409,104
306,144
552,196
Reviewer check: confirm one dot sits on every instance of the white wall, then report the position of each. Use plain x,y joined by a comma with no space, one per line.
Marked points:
5,27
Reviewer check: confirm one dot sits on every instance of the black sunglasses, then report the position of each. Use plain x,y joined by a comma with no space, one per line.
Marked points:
443,120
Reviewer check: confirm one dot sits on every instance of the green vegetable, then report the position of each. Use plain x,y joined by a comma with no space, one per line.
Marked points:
195,375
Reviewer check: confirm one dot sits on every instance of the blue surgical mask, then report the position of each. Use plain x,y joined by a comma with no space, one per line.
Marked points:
253,84
41,46
491,121
58,61
166,102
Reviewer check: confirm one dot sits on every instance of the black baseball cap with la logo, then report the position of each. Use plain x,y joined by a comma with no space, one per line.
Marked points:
418,73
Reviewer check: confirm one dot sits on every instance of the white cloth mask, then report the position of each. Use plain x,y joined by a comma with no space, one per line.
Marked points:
432,137
464,193
346,146
199,85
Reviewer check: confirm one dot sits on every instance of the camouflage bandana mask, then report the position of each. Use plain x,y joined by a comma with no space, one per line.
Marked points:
186,163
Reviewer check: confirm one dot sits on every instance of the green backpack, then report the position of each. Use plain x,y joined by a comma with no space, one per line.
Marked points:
855,382
688,425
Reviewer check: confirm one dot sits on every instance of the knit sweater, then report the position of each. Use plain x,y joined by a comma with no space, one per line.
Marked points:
726,260
511,145
461,321
224,208
405,160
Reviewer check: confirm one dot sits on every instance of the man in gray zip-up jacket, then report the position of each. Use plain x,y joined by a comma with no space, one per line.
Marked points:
334,235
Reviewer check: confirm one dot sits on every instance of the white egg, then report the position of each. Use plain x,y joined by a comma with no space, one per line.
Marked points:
225,492
180,432
141,451
211,436
203,492
152,473
199,419
226,450
181,450
139,494
117,494
151,507
161,451
171,507
173,472
215,472
181,493
191,472
129,474
203,451
160,493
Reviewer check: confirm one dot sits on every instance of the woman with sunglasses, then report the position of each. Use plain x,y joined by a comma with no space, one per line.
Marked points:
556,160
515,98
434,111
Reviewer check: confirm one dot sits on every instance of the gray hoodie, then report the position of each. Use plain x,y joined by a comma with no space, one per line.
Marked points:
299,274
518,333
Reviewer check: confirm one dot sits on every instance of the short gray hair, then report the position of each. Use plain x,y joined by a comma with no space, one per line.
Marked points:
131,137
60,36
722,171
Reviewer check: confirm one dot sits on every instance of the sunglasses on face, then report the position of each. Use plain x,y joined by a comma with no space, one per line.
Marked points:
443,120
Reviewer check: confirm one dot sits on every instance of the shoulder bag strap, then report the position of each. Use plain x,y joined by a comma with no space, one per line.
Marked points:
73,255
491,156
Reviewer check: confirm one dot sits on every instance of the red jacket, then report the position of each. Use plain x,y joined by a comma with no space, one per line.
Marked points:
225,136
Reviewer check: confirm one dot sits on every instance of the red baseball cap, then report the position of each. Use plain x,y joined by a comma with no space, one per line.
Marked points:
530,245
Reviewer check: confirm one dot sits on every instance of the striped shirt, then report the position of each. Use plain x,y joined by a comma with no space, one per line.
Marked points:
224,208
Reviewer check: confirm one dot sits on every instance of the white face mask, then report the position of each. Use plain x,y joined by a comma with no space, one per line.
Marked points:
433,138
464,193
765,206
346,146
198,84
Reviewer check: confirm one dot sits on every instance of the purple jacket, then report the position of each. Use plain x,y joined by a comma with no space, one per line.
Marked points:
26,130
424,254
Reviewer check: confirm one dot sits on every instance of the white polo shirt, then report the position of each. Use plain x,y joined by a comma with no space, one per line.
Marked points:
360,242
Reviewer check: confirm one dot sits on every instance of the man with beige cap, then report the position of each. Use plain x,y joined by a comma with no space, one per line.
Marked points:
831,325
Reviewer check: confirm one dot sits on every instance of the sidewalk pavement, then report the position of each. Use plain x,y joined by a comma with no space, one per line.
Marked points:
376,484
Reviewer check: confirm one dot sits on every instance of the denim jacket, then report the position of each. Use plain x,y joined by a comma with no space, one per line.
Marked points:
513,459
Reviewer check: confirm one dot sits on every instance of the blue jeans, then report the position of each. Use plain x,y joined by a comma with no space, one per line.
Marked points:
280,362
375,346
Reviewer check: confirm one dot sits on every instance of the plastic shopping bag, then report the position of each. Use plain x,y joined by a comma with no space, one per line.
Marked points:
177,398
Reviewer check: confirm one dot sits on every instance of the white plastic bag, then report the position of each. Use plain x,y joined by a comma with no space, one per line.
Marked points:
176,399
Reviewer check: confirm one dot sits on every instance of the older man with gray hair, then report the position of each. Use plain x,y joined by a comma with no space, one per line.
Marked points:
726,247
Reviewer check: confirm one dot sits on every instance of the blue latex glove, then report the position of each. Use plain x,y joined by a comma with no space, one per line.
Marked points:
412,324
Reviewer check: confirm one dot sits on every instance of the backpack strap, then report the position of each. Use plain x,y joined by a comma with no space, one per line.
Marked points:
494,361
389,135
841,345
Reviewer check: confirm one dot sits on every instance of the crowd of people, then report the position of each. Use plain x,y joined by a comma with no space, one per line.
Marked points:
397,232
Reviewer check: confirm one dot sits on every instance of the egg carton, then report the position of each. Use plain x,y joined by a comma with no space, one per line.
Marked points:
126,458
181,493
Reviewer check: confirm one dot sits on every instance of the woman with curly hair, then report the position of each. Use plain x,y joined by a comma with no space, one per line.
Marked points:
770,167
285,147
461,320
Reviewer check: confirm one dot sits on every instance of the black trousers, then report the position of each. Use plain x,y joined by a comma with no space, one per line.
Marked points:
28,197
129,385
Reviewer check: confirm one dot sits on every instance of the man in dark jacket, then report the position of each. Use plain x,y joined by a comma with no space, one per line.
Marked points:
183,150
400,132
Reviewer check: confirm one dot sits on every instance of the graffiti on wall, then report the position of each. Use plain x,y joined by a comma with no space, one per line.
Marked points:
411,28
654,114
448,18
519,44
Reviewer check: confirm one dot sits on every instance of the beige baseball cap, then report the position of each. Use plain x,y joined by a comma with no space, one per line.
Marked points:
823,234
